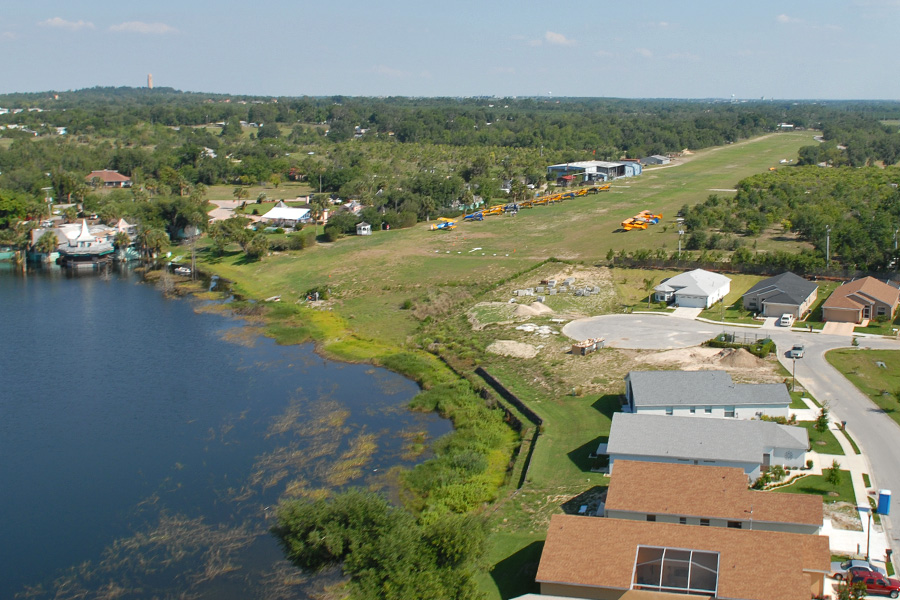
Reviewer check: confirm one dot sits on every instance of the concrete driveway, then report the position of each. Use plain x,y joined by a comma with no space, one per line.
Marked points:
877,435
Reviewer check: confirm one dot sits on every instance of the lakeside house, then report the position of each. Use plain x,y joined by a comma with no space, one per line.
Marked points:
703,394
708,496
85,249
750,445
612,559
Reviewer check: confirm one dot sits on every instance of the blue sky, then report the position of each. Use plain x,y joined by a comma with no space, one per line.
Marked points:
692,49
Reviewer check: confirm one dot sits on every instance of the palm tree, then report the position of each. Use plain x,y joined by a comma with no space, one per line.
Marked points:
317,207
47,244
649,284
152,241
240,193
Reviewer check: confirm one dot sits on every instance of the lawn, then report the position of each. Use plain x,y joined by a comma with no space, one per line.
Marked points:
823,443
885,327
732,308
287,190
880,384
817,485
814,317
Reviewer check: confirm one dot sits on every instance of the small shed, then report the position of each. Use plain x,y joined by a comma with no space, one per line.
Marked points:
363,228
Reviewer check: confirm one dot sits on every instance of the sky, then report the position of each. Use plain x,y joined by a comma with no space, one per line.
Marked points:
821,49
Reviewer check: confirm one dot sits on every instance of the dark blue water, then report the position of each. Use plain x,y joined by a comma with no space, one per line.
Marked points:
144,442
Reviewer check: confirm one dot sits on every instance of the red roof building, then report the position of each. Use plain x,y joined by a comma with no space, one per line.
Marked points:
108,178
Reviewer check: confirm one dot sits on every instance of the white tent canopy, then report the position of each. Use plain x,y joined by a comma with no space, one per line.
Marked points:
286,214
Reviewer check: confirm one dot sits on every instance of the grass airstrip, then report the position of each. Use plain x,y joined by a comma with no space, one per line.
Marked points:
394,288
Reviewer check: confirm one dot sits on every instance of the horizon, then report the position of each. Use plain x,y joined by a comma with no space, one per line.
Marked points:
704,50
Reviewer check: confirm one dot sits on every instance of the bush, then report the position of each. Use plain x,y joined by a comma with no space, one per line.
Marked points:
299,241
332,234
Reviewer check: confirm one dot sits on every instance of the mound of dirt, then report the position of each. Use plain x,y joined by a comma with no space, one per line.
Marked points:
532,310
511,348
738,358
525,310
541,308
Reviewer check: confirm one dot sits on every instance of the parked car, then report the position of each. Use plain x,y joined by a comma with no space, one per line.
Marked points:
879,584
786,320
796,351
859,567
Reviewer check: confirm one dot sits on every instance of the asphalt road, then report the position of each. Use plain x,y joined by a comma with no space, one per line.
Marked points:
877,435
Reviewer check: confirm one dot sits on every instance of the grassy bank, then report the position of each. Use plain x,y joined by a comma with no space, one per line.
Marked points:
880,383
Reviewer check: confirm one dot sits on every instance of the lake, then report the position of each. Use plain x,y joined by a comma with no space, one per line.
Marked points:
145,441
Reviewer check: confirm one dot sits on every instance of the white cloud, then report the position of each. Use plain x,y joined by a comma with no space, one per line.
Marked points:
558,39
61,23
603,54
644,52
145,28
8,35
784,19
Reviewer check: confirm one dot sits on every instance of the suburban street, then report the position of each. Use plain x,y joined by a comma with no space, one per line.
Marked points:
876,434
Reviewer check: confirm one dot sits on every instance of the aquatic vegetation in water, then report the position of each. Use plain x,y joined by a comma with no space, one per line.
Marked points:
349,466
182,552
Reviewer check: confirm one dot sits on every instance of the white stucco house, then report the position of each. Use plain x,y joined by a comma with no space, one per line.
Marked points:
703,394
749,445
694,289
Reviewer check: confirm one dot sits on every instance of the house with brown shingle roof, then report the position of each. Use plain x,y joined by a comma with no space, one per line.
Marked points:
108,178
865,298
613,559
704,495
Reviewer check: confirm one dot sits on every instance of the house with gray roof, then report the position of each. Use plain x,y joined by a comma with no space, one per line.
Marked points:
694,289
703,394
749,445
785,294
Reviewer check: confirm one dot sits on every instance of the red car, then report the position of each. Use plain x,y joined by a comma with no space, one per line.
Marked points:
878,584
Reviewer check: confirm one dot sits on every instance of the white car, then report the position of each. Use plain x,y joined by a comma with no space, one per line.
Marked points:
786,320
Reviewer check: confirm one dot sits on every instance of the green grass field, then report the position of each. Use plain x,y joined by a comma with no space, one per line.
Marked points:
819,486
581,229
881,385
823,443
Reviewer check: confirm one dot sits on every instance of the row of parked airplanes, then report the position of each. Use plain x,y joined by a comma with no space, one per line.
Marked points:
445,223
641,220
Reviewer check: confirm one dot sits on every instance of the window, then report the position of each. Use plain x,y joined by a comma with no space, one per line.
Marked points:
676,571
693,410
708,410
734,524
651,518
704,522
729,411
881,311
669,410
682,520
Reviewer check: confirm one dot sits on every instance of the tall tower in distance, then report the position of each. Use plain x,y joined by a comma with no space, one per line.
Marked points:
150,80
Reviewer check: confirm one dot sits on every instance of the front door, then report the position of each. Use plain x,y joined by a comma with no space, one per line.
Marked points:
767,458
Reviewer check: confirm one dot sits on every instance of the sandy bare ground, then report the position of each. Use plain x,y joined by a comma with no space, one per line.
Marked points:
513,349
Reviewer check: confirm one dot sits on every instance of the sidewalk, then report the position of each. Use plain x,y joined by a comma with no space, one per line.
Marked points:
852,542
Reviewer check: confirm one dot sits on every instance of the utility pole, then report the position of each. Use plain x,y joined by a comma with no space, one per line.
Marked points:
827,247
793,372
